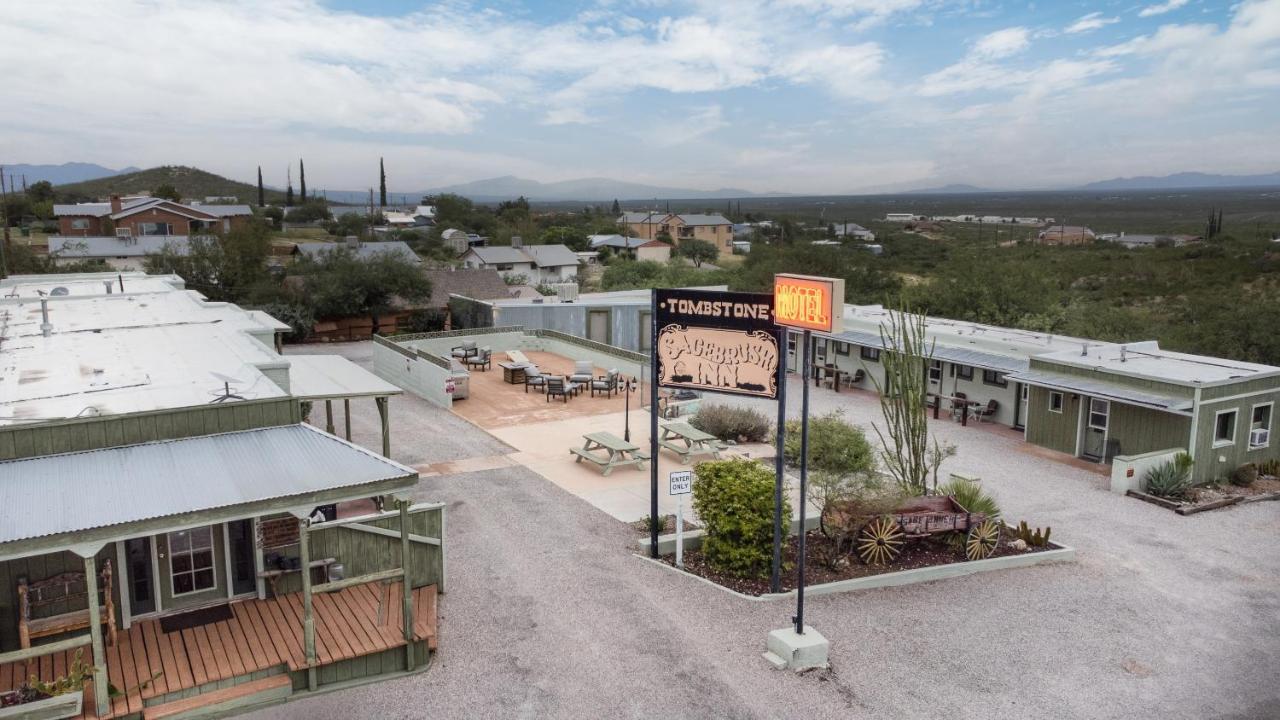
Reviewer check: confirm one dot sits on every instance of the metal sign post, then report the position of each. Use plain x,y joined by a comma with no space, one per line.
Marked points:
680,483
780,464
653,431
805,363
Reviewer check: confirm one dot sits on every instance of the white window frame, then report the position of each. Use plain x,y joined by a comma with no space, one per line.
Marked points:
1271,413
1235,425
935,372
190,551
1062,401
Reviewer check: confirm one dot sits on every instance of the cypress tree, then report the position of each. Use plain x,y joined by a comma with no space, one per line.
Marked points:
617,209
302,180
262,195
288,187
382,182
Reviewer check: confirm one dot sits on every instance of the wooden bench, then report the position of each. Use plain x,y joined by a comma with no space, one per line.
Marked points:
275,687
67,588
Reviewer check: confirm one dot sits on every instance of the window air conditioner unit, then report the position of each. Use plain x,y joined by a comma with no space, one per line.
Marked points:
1259,437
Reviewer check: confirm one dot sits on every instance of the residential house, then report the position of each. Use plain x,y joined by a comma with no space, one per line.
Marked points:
154,460
136,217
541,264
900,217
460,240
121,252
715,229
855,231
654,251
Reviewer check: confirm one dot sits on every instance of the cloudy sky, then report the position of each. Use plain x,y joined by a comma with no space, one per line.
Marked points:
815,96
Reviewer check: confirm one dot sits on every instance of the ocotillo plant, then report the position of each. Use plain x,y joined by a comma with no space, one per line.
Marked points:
905,434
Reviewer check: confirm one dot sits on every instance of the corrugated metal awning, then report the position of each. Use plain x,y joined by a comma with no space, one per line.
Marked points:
74,492
1106,390
319,377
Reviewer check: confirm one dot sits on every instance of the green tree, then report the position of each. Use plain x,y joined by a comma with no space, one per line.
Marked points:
40,192
168,192
309,211
617,209
575,239
262,193
302,180
342,284
382,183
224,268
697,251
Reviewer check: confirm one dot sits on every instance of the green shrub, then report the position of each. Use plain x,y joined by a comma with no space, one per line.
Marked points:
835,445
734,501
1170,479
1244,475
1270,467
971,496
738,424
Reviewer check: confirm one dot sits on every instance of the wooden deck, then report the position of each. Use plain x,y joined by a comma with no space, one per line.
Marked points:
262,637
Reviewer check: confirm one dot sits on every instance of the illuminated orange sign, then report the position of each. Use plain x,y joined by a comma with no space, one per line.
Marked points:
808,303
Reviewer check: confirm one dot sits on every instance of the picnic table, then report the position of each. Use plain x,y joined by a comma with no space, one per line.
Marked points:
686,441
616,452
831,371
961,408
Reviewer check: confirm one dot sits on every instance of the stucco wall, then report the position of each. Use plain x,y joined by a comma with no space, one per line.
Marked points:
420,377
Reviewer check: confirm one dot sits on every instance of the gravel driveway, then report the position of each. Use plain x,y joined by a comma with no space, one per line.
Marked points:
549,614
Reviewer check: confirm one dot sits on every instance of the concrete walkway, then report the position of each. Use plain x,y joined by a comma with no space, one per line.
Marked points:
549,614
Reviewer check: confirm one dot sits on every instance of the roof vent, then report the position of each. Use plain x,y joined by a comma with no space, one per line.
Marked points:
46,329
59,291
107,285
1122,355
1084,349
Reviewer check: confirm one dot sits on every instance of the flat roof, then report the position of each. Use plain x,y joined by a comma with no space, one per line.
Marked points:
616,297
82,284
1103,389
175,477
1147,360
317,377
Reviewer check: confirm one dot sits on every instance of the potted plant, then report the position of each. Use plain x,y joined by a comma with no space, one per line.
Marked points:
38,700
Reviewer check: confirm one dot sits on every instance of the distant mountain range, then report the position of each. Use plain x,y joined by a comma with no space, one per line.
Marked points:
71,172
952,189
586,189
1185,180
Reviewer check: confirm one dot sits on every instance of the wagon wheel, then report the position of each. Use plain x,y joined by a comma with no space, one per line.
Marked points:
880,541
982,540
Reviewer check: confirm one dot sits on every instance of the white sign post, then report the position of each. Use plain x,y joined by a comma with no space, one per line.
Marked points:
681,484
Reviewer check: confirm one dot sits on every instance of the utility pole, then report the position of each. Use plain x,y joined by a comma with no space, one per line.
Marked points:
4,217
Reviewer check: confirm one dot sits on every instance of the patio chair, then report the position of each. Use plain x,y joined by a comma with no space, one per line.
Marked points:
607,384
465,350
958,401
559,387
583,372
533,377
982,413
482,360
851,379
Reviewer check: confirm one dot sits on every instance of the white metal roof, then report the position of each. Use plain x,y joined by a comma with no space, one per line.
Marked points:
1147,360
73,492
109,246
1107,390
551,255
316,377
87,284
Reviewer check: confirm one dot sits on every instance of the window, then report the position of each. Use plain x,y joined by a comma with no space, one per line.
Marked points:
646,332
1055,402
935,372
1098,412
504,266
1224,428
992,377
870,353
155,228
842,348
1260,427
191,561
963,372
820,348
80,224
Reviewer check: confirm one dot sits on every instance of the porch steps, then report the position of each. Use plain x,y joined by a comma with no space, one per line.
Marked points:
276,687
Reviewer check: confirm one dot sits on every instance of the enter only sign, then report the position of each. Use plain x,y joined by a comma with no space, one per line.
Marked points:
681,482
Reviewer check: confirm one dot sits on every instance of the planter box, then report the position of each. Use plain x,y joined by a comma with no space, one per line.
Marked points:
54,708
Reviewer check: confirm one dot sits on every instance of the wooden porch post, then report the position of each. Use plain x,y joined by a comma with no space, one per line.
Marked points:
328,417
346,415
308,617
408,584
100,698
386,426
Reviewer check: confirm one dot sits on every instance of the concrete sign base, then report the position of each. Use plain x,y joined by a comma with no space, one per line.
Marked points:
789,650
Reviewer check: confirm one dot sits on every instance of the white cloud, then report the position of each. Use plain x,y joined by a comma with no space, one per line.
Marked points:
1161,8
847,70
1002,43
1092,21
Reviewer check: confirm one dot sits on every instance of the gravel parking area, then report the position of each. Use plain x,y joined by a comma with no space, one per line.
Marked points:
549,614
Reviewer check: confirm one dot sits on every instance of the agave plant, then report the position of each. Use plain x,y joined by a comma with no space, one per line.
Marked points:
1170,480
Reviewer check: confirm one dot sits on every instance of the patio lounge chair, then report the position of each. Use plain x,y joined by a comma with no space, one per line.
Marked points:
607,384
482,360
560,387
985,412
533,377
583,372
465,350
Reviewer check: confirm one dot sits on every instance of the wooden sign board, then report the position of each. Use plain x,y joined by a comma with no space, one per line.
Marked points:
717,341
805,302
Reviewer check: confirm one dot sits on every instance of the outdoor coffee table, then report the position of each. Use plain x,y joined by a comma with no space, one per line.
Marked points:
609,451
686,441
512,373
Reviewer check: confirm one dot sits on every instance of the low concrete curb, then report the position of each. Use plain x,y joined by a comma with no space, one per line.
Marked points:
693,538
1060,553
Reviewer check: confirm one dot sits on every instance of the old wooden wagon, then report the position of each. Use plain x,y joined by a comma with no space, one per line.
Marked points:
882,539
